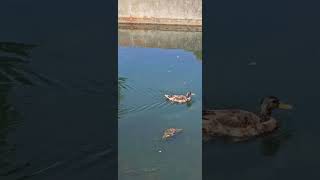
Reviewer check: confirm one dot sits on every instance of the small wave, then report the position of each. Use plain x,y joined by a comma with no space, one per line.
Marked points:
84,160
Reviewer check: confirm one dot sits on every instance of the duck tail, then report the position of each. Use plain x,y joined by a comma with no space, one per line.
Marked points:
167,96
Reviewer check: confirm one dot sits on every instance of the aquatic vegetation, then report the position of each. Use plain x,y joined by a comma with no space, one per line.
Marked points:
198,54
13,71
20,49
7,121
14,58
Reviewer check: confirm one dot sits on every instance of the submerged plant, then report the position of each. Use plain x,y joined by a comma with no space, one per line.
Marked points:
19,49
198,55
14,58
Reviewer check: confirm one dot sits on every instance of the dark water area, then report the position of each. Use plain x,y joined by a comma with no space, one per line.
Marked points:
257,49
57,92
153,63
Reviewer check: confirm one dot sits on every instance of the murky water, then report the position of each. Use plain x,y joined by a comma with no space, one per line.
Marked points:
54,100
261,49
153,63
38,116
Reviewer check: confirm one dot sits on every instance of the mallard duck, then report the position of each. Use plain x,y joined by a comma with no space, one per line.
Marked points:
240,123
168,133
179,98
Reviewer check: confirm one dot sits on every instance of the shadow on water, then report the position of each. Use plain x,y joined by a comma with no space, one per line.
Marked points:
7,122
14,71
19,49
14,58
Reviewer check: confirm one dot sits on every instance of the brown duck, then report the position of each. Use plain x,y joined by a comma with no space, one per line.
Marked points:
240,123
179,98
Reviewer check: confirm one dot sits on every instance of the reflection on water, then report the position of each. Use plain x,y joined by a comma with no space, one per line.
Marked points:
271,145
19,49
121,87
59,117
186,40
154,63
7,122
19,84
13,72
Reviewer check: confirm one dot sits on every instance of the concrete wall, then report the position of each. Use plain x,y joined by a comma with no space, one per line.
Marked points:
170,12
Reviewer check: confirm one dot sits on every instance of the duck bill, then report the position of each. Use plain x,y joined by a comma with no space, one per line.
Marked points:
285,106
193,94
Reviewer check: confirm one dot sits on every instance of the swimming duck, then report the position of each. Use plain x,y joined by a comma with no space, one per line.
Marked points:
180,98
168,133
240,123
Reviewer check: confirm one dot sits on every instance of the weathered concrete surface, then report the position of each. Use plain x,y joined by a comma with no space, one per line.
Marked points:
169,12
189,41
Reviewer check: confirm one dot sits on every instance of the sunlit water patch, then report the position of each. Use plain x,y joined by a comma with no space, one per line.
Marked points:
147,74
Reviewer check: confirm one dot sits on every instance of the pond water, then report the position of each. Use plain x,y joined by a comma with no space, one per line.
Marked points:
263,49
153,63
55,89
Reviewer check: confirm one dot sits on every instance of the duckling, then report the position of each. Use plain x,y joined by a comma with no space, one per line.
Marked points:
168,133
180,98
240,123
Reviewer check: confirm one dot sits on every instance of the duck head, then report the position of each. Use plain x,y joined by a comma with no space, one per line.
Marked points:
189,94
270,103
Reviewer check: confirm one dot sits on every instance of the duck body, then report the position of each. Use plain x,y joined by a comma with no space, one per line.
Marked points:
240,123
235,123
179,98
